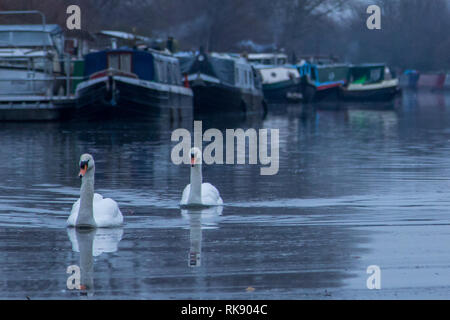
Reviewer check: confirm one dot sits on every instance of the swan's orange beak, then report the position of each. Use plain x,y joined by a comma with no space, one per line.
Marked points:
192,161
83,171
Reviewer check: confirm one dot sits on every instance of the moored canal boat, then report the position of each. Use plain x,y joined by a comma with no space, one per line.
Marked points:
223,83
370,82
321,82
280,81
33,84
132,83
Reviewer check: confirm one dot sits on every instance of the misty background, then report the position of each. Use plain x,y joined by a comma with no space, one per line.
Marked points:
414,33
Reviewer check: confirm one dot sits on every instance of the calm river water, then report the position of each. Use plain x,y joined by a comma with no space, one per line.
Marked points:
361,186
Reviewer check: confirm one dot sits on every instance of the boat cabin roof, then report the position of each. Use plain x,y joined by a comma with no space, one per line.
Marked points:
255,56
369,65
51,28
332,65
160,55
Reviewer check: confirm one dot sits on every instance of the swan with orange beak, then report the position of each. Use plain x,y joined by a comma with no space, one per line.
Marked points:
198,193
91,210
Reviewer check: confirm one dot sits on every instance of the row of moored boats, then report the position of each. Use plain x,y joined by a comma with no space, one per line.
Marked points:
40,81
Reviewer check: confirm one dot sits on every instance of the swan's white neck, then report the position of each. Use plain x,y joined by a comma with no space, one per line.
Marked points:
86,214
195,195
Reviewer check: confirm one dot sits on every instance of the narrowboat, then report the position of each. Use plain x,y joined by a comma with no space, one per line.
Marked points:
280,81
223,83
32,72
321,82
370,82
132,83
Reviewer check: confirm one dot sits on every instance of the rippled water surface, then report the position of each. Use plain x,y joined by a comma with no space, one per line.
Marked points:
365,185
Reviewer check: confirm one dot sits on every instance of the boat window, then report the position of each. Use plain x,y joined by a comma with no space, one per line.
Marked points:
125,62
236,72
367,75
120,61
375,75
40,63
113,61
22,64
169,73
332,74
176,74
163,72
24,39
4,38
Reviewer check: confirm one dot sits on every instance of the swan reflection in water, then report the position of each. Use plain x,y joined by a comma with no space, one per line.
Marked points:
91,243
201,218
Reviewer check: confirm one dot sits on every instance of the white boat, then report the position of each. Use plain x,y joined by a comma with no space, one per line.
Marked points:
29,59
280,81
32,81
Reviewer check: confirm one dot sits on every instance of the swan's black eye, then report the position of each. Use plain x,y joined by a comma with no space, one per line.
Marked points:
192,155
84,164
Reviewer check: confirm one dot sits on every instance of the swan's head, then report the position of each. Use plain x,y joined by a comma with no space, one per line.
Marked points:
86,164
196,156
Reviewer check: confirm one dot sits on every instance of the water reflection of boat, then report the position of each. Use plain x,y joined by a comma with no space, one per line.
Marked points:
364,118
92,243
199,219
368,105
370,82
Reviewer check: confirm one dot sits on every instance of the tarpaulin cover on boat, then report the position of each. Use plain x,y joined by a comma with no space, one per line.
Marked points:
218,67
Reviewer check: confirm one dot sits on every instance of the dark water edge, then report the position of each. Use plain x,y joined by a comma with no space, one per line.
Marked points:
358,186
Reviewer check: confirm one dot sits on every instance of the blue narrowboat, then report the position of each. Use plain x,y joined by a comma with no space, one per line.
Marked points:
321,82
128,82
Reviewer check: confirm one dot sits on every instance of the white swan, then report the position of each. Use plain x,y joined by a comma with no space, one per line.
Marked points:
197,193
92,210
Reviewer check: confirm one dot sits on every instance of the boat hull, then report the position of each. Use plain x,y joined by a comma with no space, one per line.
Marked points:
29,82
283,92
210,98
378,94
125,97
312,93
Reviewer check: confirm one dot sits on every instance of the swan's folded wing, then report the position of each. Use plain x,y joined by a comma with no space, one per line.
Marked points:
210,195
185,196
107,213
